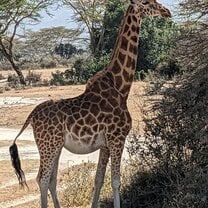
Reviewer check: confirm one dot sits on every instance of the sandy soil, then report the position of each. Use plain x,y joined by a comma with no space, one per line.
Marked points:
13,116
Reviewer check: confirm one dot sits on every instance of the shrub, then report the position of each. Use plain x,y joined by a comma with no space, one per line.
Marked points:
86,68
1,90
80,182
174,150
30,65
48,63
33,77
13,80
62,78
58,78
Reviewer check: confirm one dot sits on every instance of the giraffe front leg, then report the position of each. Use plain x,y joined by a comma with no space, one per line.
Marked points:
116,154
100,174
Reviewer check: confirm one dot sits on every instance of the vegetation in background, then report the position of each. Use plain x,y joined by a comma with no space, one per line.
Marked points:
53,47
12,14
46,43
113,17
89,16
156,46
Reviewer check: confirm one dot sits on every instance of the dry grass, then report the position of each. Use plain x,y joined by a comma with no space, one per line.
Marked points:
45,73
79,183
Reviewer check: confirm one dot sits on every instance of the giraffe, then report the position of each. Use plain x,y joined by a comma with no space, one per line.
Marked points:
97,119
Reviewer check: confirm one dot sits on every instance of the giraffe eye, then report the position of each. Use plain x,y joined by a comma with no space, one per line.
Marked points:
145,2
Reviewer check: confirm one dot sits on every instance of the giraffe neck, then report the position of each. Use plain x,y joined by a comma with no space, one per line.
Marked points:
123,61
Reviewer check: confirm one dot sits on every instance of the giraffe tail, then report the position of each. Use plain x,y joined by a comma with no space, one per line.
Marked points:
17,165
13,150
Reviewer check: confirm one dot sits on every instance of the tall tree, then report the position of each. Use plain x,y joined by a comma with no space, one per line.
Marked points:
13,14
89,14
112,20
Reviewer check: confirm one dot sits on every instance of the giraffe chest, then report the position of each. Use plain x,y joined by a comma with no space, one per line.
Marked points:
85,144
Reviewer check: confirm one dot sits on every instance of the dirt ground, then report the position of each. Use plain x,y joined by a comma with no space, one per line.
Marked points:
14,117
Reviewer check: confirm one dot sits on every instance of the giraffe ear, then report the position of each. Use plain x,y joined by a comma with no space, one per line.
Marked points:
133,1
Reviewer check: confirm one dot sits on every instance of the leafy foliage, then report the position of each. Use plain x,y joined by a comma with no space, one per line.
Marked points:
112,19
43,43
156,43
89,15
192,45
86,68
59,78
33,77
65,50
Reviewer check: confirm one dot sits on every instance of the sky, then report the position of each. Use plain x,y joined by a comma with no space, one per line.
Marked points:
61,16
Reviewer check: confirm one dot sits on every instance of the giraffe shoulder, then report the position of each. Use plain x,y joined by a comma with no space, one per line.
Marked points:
92,80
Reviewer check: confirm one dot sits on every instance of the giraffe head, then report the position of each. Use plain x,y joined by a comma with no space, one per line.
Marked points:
150,8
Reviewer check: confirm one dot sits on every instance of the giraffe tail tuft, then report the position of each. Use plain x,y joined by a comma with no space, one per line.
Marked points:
17,165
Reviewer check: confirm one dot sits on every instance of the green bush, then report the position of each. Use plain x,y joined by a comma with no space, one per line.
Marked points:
58,78
86,68
62,78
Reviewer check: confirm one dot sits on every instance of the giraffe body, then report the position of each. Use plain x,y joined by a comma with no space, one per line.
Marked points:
97,119
83,122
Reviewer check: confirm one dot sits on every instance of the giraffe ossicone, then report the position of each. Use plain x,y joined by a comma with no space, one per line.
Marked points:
97,119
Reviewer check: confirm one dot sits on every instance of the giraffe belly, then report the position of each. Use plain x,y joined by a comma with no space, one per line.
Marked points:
83,145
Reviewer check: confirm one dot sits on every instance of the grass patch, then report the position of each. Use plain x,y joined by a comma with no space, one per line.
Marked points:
80,182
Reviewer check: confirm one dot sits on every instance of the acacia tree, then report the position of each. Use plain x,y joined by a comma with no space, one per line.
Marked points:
44,42
13,14
90,16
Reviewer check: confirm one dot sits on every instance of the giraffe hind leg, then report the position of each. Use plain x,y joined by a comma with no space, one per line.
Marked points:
53,183
47,176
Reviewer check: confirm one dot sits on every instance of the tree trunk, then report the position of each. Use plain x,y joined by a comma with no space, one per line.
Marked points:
9,57
18,71
20,75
